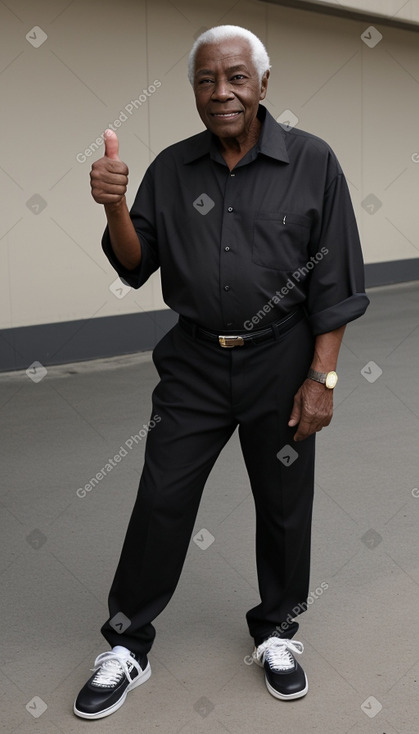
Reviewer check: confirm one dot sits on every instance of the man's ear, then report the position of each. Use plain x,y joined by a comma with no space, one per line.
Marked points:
264,84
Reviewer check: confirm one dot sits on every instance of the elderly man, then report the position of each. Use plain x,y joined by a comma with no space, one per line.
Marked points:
254,233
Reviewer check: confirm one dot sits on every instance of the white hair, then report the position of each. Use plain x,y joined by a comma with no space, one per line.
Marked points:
259,53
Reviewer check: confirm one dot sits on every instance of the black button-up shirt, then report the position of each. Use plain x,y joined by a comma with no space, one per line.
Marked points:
239,249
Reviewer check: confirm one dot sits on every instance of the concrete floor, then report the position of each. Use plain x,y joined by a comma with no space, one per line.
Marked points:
59,552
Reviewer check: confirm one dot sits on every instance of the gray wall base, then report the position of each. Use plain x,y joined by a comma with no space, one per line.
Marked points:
77,341
394,271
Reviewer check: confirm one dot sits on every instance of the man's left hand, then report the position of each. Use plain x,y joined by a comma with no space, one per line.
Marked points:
312,409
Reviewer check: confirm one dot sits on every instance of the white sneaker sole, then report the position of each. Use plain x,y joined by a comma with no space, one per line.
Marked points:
145,675
291,696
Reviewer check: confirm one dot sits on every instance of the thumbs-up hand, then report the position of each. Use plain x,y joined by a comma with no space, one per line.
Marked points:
109,175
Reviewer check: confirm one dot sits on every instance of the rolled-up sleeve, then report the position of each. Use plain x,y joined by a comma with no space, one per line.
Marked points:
336,293
142,215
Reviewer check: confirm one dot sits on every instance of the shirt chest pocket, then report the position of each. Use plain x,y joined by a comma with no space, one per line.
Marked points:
280,240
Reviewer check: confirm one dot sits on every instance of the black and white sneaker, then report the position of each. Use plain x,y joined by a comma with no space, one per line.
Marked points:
115,673
284,677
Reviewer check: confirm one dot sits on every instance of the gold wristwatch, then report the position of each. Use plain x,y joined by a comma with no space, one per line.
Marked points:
329,379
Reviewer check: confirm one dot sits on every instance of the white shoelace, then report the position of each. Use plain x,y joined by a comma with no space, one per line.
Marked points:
111,666
277,652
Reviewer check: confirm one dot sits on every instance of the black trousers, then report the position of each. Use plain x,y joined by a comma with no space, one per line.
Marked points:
204,393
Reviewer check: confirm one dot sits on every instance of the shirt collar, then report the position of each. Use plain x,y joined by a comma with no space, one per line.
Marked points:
272,138
271,141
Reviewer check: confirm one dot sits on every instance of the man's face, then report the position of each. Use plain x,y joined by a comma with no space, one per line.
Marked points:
227,88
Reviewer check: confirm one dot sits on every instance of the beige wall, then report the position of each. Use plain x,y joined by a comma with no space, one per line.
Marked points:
405,10
99,56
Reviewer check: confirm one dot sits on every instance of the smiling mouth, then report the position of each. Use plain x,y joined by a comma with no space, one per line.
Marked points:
225,115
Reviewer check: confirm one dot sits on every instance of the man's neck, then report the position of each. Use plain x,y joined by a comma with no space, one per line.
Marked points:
234,149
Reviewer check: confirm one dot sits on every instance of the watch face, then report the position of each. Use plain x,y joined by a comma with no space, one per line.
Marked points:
331,380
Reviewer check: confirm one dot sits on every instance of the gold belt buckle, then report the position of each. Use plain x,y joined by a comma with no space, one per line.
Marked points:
228,342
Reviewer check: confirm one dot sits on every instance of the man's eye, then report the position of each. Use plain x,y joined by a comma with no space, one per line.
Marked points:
205,81
238,76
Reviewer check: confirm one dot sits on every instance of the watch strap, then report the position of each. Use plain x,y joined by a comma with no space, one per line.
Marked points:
317,376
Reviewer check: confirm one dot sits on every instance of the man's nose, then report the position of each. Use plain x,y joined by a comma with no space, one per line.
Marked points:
222,90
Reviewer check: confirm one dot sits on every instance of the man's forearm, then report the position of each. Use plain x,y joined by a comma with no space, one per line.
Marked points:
124,239
326,350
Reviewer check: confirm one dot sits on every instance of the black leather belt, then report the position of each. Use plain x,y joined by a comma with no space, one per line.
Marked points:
228,341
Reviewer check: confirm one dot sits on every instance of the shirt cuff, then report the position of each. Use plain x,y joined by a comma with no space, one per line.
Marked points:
338,315
134,278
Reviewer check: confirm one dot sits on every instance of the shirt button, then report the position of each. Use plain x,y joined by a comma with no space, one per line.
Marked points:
230,209
227,249
232,175
226,287
229,323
